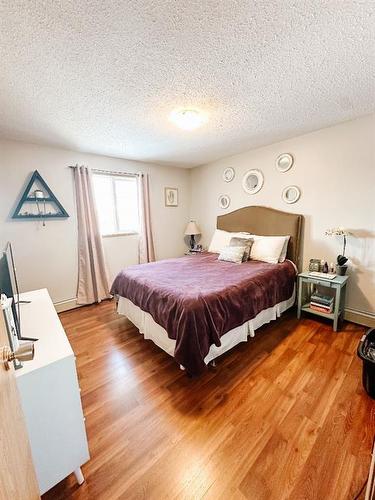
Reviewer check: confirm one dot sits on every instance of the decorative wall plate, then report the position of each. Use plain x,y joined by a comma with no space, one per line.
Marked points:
228,174
224,201
253,181
291,194
284,162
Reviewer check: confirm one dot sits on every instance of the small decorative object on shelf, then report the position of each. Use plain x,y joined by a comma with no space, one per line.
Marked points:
39,197
314,265
341,266
195,251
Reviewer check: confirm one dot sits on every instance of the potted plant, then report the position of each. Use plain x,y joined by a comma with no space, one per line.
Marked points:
341,266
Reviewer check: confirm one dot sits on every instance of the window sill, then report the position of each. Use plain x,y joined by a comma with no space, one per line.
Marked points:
125,233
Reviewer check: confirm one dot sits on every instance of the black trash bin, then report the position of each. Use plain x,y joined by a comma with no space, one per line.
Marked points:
366,351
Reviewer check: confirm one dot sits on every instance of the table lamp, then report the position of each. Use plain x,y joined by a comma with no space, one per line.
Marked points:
191,230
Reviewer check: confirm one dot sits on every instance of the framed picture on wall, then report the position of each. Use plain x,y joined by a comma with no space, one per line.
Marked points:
171,197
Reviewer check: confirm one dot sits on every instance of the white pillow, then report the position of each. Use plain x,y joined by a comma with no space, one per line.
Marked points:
221,239
285,249
267,248
232,254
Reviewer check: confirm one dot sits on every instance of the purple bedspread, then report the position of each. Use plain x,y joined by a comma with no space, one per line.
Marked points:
197,299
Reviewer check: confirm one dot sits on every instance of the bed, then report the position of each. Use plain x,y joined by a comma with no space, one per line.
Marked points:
196,308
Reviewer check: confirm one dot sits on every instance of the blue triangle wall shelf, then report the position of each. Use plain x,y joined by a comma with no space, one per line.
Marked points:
43,206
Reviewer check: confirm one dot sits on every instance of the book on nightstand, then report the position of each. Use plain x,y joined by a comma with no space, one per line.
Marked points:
321,303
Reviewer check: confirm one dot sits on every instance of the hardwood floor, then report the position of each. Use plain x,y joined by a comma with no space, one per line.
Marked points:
283,416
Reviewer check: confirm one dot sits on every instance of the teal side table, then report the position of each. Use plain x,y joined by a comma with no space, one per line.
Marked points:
307,285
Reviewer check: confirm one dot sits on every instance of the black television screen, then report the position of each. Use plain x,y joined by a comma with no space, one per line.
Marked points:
9,284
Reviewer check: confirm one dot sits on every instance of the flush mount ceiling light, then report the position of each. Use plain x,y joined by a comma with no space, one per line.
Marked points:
188,119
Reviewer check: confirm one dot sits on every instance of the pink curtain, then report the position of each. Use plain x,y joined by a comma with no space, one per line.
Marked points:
146,242
93,285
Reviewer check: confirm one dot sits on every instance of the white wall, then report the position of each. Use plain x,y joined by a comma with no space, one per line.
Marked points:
335,169
47,256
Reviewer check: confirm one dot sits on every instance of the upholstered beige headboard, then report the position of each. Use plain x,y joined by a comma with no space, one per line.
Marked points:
267,222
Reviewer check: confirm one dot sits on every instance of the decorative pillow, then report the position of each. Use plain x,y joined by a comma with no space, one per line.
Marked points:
267,248
232,254
242,242
221,239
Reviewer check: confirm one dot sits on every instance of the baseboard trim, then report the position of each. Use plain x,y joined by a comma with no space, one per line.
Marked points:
360,317
66,305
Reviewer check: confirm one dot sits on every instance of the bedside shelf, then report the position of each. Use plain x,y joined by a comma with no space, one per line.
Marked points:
306,285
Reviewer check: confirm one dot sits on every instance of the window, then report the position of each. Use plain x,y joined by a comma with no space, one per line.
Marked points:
116,199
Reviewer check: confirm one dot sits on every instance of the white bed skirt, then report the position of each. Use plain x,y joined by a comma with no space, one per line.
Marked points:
151,330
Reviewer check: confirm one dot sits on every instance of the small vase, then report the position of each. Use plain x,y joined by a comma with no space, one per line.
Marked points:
341,270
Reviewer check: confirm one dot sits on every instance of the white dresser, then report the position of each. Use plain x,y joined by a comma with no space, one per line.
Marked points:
50,395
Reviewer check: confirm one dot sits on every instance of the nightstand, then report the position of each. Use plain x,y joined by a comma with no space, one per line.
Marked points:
306,286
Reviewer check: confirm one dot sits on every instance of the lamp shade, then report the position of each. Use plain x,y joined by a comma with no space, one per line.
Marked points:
192,228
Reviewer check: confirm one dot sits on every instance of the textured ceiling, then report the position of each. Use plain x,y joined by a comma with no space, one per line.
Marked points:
103,76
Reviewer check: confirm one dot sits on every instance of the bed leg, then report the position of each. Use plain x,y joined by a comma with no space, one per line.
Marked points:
213,363
182,368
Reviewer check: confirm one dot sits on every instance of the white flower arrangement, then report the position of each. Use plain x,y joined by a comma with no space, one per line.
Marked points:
336,231
339,231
